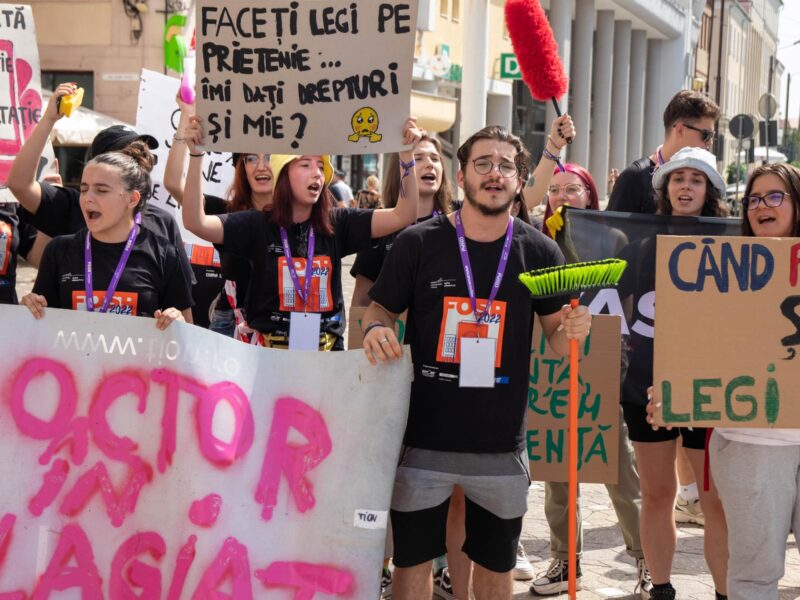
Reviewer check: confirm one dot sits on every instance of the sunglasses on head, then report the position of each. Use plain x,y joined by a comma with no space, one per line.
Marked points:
706,134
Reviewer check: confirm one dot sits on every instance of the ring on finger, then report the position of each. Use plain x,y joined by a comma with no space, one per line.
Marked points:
384,341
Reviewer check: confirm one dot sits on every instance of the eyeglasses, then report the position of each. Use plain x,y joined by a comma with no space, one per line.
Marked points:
571,189
706,134
483,166
253,159
772,200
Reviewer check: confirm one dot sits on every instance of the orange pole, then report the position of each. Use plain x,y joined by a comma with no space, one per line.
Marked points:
572,498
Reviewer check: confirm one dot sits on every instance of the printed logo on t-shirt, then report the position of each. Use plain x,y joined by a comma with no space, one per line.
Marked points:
123,303
6,237
321,298
458,321
204,256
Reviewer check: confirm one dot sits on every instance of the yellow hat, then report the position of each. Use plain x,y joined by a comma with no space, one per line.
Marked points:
278,161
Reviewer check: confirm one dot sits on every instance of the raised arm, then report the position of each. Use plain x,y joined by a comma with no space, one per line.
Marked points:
389,220
535,191
174,180
195,219
22,176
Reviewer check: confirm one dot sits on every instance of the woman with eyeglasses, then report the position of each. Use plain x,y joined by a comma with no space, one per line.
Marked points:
251,189
761,467
686,186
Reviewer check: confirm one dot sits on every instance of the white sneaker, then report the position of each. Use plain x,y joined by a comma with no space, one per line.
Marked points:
523,570
556,580
689,511
644,583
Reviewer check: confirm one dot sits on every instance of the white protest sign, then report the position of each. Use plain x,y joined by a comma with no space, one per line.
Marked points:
185,464
21,103
316,77
158,115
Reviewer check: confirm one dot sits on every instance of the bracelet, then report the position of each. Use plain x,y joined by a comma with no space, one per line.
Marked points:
197,155
407,166
372,326
550,156
177,139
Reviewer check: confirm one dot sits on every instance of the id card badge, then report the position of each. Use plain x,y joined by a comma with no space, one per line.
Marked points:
304,331
477,362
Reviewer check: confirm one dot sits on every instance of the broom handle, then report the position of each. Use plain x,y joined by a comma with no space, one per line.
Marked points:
572,497
558,113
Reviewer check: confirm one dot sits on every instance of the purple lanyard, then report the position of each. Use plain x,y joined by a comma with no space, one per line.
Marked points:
306,291
123,260
659,157
501,268
434,214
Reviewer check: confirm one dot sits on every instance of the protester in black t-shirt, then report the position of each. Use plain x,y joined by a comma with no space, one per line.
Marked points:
113,265
223,288
689,121
469,435
286,305
56,210
686,186
435,198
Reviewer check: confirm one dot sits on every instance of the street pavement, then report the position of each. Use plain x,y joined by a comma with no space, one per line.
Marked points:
608,572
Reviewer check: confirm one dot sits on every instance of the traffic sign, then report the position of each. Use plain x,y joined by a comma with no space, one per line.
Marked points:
741,126
509,67
767,106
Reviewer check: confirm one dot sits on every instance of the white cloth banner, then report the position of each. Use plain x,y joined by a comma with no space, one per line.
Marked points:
158,115
21,104
184,464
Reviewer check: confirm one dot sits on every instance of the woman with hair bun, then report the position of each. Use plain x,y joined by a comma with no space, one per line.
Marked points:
114,264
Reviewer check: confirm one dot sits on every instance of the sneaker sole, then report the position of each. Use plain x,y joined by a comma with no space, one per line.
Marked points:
683,518
552,589
520,575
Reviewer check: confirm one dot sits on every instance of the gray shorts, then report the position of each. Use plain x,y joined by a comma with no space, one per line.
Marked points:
498,482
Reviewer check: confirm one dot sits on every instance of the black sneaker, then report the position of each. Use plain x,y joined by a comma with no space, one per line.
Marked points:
662,593
386,584
556,579
442,588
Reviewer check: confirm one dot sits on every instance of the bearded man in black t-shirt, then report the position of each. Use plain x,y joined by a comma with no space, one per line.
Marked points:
689,121
470,346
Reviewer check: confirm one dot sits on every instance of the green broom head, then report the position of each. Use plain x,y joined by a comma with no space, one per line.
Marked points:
573,279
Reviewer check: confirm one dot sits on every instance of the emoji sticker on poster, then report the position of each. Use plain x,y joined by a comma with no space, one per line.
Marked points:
365,124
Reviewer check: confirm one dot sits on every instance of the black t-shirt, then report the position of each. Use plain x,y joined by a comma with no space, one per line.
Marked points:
638,281
235,268
206,267
271,295
59,213
633,191
368,262
423,273
152,278
9,247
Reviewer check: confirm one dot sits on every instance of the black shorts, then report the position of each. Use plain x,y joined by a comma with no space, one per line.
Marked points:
639,430
420,536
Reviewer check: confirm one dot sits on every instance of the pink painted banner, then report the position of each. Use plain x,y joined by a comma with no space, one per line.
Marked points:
183,464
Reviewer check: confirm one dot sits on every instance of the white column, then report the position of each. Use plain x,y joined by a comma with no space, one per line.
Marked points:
601,91
636,96
654,102
581,78
475,44
498,110
561,23
619,94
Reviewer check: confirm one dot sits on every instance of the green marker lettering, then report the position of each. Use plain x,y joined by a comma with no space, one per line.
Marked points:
737,382
666,399
701,399
772,397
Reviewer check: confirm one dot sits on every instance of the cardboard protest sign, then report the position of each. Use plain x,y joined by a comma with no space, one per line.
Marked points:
21,102
355,337
184,464
316,77
598,409
728,331
158,115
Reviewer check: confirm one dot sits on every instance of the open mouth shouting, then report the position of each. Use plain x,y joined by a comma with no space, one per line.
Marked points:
493,187
92,216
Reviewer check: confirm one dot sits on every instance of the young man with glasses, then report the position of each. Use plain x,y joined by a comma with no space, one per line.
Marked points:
469,326
689,120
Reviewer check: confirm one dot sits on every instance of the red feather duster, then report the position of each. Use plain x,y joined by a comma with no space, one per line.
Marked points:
536,49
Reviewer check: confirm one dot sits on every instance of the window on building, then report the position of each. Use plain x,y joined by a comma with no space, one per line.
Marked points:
444,8
456,14
51,80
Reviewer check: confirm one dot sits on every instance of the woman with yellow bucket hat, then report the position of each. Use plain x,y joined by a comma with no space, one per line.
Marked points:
289,304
